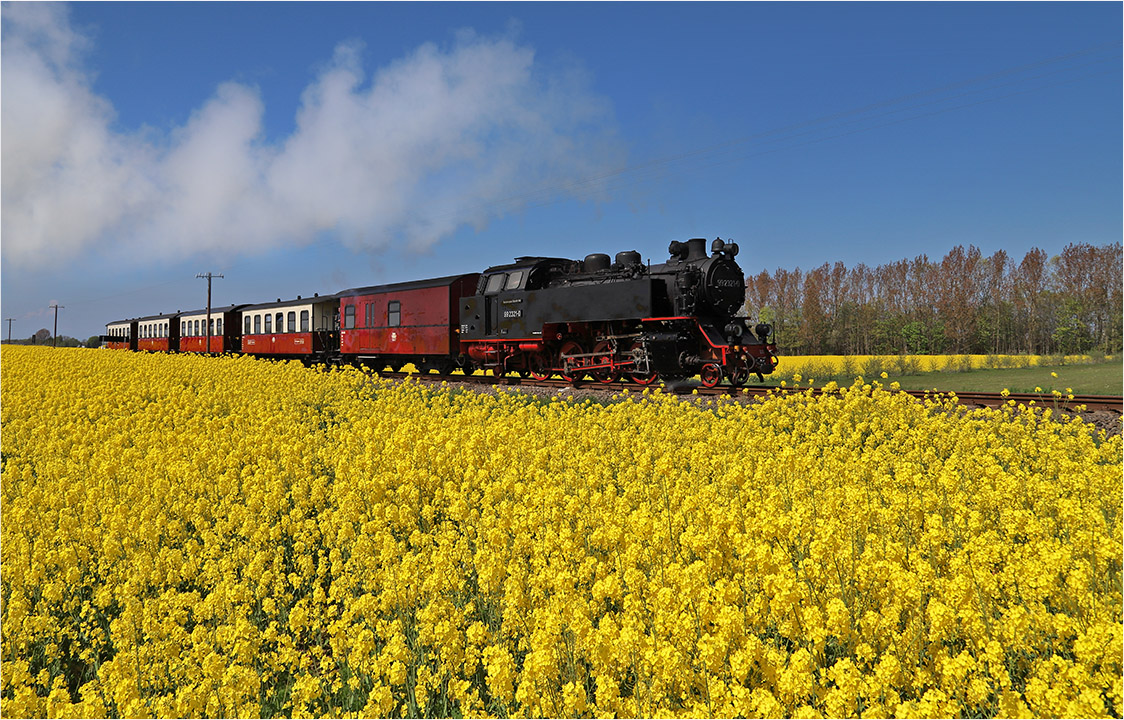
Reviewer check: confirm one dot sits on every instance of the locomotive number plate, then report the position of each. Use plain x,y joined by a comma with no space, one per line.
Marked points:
512,313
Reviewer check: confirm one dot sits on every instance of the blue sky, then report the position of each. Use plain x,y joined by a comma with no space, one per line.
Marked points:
300,148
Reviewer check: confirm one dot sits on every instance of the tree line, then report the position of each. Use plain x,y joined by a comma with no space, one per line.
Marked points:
43,337
964,303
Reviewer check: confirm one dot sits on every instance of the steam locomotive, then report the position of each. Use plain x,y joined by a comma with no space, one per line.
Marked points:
538,316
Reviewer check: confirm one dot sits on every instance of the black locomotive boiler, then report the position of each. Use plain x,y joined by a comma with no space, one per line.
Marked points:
606,319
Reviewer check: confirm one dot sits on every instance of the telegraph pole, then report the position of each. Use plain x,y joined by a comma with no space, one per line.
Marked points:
208,276
55,334
9,329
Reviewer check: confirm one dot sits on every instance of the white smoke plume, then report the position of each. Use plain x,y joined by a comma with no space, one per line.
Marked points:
437,140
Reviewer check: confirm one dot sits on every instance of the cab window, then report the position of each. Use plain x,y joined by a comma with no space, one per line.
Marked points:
495,283
513,280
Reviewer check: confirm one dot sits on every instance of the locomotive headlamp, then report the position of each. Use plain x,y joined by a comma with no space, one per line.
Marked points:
762,330
734,330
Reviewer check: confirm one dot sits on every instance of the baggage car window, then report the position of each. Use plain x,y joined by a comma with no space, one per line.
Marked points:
394,313
349,317
495,283
513,280
304,321
292,322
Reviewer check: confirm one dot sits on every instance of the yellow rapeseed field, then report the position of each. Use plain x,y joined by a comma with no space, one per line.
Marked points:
187,536
873,365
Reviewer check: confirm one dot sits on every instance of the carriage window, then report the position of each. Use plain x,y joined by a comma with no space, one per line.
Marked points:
394,313
197,328
292,322
280,322
495,283
257,324
349,317
304,321
245,324
513,280
268,323
218,326
369,315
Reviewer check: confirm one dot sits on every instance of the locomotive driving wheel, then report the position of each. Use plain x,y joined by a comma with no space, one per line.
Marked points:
711,375
739,374
647,376
537,366
603,355
574,373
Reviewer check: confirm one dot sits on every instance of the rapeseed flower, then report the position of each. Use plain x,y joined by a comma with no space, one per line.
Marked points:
227,536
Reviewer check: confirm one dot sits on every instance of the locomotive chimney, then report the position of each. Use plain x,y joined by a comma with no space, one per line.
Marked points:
696,249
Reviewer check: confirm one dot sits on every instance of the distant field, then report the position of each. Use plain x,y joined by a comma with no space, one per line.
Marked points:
1099,379
1082,375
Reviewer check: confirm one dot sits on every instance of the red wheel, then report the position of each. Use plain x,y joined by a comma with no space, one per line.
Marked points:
602,355
711,375
572,371
538,366
642,374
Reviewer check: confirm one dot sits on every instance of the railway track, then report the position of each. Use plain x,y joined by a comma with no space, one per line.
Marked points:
1091,403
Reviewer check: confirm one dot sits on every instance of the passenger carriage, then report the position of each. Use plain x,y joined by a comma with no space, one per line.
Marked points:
304,328
224,330
158,333
121,335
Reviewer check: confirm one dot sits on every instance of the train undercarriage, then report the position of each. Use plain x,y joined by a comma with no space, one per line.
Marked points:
642,351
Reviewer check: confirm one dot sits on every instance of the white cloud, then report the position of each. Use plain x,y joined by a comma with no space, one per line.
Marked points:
437,140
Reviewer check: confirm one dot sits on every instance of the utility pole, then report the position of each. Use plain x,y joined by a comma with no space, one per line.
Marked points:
9,329
55,334
208,276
